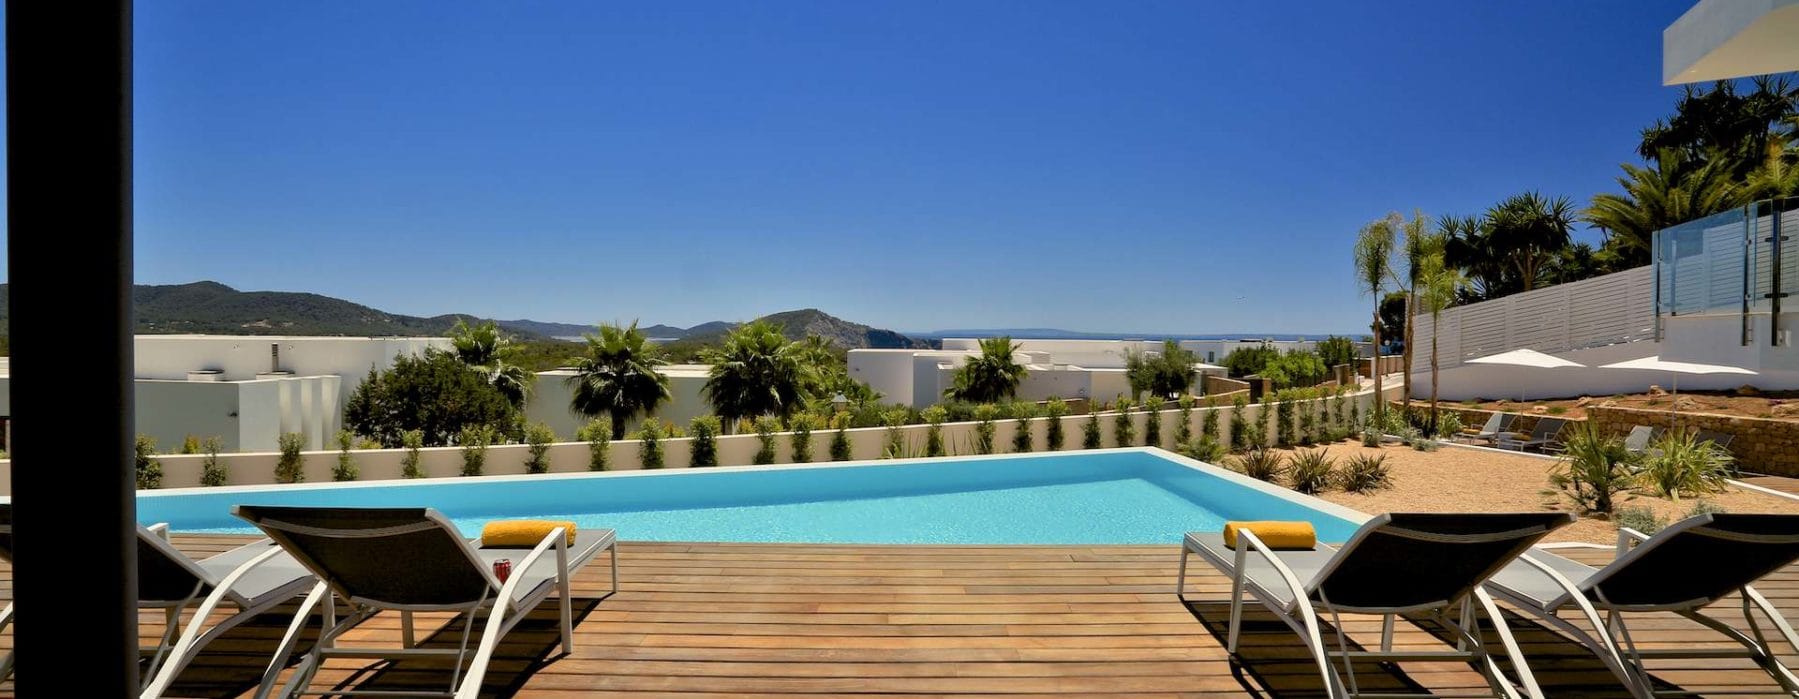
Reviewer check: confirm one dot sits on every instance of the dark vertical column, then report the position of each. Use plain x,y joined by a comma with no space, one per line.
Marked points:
68,134
1776,290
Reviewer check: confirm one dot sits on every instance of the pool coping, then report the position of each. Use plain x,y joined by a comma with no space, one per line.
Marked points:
1314,503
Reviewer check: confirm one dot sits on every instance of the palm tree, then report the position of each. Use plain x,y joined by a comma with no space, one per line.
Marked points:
1465,248
1418,243
758,372
991,376
1528,231
1373,251
617,376
486,350
1778,175
1438,284
1673,189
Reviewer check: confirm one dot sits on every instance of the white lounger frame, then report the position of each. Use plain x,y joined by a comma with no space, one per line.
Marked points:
1611,640
1469,647
502,617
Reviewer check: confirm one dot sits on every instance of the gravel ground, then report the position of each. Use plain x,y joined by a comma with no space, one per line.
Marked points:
1472,480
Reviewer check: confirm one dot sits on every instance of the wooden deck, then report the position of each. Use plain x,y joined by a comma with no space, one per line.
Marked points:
765,620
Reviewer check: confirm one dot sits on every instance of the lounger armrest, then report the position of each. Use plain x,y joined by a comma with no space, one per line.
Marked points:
490,635
1628,539
160,529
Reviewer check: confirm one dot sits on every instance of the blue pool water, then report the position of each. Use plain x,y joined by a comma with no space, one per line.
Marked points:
1113,497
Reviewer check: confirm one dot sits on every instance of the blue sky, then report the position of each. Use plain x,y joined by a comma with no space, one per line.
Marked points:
1133,167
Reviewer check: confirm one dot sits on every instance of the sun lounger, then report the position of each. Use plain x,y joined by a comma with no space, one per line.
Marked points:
1683,569
1640,437
1496,425
1394,564
413,559
1543,436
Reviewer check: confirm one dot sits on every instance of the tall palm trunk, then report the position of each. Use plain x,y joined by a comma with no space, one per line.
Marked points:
1411,308
1433,373
618,424
1374,368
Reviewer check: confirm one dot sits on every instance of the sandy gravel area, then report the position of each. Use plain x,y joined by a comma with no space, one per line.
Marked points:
1472,480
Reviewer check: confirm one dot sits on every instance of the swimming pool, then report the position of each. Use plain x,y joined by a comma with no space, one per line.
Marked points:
1115,496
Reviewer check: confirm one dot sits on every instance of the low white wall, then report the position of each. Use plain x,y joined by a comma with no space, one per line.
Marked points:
183,471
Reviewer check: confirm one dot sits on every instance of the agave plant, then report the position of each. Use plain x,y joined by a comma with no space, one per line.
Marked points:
1363,473
1261,464
1593,471
1312,470
1682,464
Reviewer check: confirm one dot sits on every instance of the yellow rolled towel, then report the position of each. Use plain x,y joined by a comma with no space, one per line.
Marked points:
521,533
1277,535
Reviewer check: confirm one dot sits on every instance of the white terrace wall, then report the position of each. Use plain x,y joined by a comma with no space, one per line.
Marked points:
1606,310
183,471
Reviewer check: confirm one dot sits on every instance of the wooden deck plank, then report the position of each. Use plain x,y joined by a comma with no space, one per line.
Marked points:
774,620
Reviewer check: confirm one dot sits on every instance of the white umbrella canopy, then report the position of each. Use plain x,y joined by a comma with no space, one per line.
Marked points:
1656,363
1526,358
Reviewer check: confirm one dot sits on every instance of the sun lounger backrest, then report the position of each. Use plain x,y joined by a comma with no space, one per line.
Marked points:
1547,427
395,556
1495,424
1408,560
1698,560
1638,439
165,574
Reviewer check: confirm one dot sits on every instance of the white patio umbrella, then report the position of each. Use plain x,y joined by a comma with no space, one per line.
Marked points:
1675,369
1528,358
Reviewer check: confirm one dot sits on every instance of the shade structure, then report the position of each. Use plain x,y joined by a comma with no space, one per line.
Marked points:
1526,358
1674,367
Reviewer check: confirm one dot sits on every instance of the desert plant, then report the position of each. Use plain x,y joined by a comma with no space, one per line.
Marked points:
649,444
346,469
983,428
1124,429
1365,473
1152,420
703,449
597,434
766,427
149,469
1681,464
1239,433
1022,414
474,440
1261,464
1205,449
1090,428
1052,427
933,433
1640,518
212,473
801,437
290,467
1593,472
409,464
1183,432
840,440
1311,470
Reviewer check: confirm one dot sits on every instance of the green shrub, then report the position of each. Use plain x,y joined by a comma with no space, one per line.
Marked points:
1295,369
597,434
149,469
1239,425
1312,471
1338,420
1254,436
1208,425
1355,413
1334,350
766,427
984,427
1021,437
538,438
1183,432
1052,428
1090,428
703,449
1640,518
1594,471
212,473
933,433
893,438
409,464
1703,506
1371,438
840,441
346,469
1283,418
190,444
1260,464
1124,429
1366,473
801,437
1205,449
649,444
1680,464
1244,361
1152,420
474,440
290,467
1306,421
1449,424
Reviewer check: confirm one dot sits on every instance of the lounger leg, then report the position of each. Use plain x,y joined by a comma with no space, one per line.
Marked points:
1180,578
1230,643
566,602
614,548
407,638
1386,633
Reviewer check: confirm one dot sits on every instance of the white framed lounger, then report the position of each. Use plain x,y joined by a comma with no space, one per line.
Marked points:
1394,564
410,560
1684,568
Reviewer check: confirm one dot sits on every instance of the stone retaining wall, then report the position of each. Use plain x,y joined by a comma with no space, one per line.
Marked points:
1760,445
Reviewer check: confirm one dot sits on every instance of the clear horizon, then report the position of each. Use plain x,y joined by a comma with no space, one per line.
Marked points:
1151,168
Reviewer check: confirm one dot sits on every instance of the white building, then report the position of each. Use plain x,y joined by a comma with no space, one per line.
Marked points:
1055,368
248,389
549,402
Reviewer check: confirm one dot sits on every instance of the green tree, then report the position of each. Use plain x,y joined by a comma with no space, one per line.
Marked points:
801,437
1250,359
1417,241
1124,429
1334,350
1722,123
1166,373
1295,368
766,427
1373,251
1152,420
598,436
757,372
617,377
149,468
704,446
409,464
1090,428
1183,432
290,467
434,394
489,352
933,434
1528,230
1022,415
1052,430
538,438
840,439
474,440
212,473
649,444
992,376
346,469
1438,287
1672,189
984,427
